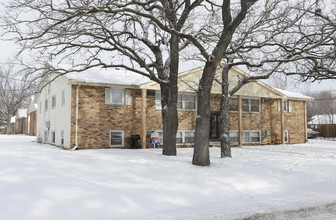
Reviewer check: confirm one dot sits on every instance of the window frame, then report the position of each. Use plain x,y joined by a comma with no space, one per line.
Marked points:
113,89
52,137
122,138
53,104
250,137
236,132
250,105
286,136
182,132
181,101
46,105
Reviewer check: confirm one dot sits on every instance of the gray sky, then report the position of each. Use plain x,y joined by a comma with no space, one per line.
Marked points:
9,49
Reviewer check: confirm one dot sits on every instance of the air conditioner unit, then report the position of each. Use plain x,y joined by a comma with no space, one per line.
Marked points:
47,124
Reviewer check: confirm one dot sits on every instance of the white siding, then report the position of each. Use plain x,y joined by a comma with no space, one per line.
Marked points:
59,117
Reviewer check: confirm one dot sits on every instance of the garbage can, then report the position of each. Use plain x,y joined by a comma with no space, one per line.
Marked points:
135,138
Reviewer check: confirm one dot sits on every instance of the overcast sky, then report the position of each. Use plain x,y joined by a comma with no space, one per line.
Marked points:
9,49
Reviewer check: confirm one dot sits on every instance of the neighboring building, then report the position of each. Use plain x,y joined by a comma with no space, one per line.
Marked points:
324,124
21,121
32,117
103,108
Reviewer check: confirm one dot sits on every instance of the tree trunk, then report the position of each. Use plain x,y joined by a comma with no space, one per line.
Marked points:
169,102
201,155
9,125
224,125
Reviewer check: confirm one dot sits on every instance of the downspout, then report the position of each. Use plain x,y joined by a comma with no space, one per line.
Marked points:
76,126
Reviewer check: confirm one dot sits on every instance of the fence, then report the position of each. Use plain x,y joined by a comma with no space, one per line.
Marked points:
325,130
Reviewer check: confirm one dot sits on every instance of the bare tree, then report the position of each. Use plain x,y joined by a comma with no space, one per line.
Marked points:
263,37
291,38
135,35
15,89
324,104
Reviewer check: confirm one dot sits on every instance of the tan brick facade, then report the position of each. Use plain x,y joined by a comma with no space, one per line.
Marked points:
96,119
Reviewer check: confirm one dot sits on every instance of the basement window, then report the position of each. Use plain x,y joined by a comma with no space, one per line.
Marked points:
116,138
251,137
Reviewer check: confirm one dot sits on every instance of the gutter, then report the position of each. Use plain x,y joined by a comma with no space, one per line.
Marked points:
76,132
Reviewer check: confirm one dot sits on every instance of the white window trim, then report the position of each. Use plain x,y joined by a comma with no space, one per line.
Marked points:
183,136
122,138
122,96
249,104
249,131
236,131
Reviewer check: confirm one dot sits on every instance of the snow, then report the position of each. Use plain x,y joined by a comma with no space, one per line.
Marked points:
108,76
40,181
290,94
22,113
323,119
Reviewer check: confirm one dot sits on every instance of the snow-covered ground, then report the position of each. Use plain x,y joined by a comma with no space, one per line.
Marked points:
44,182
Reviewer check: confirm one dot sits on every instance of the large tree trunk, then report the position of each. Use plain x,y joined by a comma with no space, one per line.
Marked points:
224,125
201,155
169,102
9,125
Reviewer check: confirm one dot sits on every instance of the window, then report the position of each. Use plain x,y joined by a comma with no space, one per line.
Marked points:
245,105
286,136
233,136
62,137
251,137
117,138
233,104
45,136
46,105
179,101
179,137
53,102
158,100
185,101
117,96
251,105
53,135
267,133
182,137
255,105
189,137
150,93
63,98
287,105
190,101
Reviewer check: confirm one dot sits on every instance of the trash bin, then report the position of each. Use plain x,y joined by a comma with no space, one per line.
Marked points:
135,138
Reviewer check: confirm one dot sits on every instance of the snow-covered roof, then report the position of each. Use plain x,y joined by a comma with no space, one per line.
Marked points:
323,119
22,113
108,76
290,94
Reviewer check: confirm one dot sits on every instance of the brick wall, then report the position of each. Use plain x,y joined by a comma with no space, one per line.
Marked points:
96,118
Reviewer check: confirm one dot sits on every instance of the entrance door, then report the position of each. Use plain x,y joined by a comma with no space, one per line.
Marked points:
214,126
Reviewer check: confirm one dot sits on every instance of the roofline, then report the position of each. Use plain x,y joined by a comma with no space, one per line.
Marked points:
77,82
